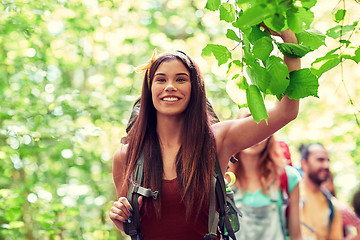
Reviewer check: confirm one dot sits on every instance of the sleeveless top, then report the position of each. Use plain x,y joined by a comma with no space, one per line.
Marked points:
173,224
262,213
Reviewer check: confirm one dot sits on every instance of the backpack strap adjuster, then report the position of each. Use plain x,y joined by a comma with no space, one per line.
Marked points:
146,192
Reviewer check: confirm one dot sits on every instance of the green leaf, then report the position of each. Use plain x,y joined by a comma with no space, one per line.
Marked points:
230,34
311,38
213,5
308,3
326,63
262,48
339,30
256,103
339,15
227,12
293,50
303,83
248,55
279,74
258,75
255,33
253,16
276,22
356,56
346,42
299,19
221,53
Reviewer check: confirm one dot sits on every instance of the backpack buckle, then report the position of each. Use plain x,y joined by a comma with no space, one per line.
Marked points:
146,192
155,194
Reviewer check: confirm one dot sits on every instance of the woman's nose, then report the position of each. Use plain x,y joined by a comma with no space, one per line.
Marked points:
170,87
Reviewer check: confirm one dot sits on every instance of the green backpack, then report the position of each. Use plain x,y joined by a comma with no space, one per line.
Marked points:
226,220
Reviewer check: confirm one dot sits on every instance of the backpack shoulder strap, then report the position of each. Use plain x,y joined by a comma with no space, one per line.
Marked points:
220,191
135,190
328,197
284,190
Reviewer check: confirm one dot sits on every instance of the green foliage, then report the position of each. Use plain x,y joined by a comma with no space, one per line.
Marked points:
311,38
279,76
339,15
67,84
267,72
227,12
293,50
213,5
262,48
256,103
221,53
340,30
302,84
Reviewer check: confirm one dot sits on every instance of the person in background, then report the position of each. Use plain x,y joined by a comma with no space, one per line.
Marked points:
356,206
258,195
349,219
320,218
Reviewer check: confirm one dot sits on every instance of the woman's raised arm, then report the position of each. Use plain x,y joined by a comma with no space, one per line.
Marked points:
234,135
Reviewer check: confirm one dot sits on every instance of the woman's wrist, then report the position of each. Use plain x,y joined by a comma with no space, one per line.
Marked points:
289,36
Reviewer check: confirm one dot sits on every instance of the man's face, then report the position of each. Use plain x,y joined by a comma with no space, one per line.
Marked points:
317,165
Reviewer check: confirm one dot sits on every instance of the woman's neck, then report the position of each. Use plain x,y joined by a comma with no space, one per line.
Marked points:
251,171
169,130
169,133
250,163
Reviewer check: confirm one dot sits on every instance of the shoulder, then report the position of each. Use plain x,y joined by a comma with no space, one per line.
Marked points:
120,158
292,172
120,153
293,176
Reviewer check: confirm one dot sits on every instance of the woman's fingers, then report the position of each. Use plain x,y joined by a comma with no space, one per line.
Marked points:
140,201
114,216
272,32
121,210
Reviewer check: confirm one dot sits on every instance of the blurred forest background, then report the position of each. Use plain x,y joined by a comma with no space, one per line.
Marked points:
67,86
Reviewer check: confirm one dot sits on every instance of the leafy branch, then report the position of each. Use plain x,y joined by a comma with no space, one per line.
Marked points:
265,73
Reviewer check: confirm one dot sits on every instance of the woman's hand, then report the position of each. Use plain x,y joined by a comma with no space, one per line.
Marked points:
121,212
288,36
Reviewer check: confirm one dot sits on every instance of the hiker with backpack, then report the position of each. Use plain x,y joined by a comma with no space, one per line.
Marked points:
180,149
266,192
320,218
350,222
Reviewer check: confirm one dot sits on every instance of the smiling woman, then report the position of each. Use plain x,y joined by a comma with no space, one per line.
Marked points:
174,137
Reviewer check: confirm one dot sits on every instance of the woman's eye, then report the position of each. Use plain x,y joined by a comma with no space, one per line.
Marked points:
181,80
160,80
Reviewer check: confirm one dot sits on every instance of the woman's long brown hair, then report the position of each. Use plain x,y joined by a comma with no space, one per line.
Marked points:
271,164
196,157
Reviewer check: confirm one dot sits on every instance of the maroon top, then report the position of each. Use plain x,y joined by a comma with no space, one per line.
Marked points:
173,225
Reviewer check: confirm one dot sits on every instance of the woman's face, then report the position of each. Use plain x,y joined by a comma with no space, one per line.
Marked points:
171,88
